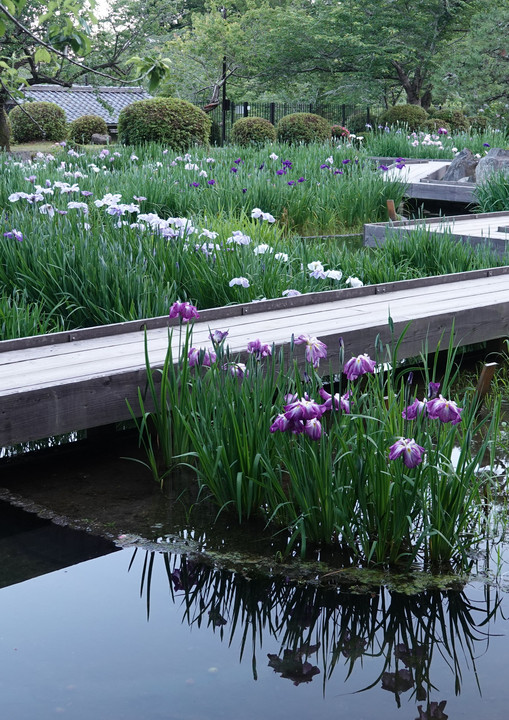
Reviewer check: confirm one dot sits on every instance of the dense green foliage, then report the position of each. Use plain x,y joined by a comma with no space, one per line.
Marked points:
456,120
81,130
177,123
253,131
412,116
49,122
302,128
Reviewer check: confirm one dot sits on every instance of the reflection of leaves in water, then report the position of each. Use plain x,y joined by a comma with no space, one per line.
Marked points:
402,631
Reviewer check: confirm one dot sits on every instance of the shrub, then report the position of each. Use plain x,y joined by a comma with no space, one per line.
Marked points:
436,124
303,128
338,132
174,122
357,122
253,131
414,116
458,122
50,119
478,122
81,130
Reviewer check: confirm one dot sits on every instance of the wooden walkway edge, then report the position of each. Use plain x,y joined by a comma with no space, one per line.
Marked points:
68,381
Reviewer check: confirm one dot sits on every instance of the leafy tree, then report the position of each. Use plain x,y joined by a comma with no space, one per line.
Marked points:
53,43
478,72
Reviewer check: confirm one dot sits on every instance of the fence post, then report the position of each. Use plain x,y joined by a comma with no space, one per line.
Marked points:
246,109
343,115
272,113
368,116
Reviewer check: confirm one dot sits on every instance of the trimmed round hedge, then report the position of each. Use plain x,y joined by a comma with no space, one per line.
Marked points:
411,115
303,128
49,116
253,131
175,122
81,130
457,121
435,125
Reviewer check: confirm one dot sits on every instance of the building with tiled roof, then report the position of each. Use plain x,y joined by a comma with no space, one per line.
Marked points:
80,100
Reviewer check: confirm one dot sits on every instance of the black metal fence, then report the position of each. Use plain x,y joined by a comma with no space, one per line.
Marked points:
354,117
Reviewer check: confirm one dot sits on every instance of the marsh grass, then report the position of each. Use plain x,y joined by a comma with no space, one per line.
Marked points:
339,489
493,194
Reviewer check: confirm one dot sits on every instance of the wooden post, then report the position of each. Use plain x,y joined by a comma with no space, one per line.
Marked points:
391,210
485,379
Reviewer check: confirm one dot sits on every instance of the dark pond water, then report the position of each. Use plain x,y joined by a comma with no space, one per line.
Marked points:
92,631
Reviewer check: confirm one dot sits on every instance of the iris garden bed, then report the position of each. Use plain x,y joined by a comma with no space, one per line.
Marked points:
124,233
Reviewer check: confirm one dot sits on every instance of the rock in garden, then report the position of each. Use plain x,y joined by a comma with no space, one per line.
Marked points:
463,165
98,139
496,161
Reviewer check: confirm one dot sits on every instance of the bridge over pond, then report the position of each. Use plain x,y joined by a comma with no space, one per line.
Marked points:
54,384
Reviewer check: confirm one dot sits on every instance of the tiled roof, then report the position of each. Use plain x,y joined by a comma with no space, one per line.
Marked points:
80,100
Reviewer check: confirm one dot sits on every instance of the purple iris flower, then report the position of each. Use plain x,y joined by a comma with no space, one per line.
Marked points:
211,182
301,179
14,235
291,182
183,310
287,164
281,171
217,336
313,429
383,167
244,190
340,401
338,172
87,193
200,356
233,169
324,166
315,349
486,145
237,161
261,166
255,347
195,184
236,369
444,410
410,451
345,161
433,389
358,366
418,407
282,424
303,409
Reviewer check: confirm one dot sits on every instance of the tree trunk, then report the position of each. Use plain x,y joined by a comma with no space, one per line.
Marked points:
5,129
413,87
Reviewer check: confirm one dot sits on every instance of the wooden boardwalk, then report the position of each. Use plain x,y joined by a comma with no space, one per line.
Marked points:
68,381
423,178
484,229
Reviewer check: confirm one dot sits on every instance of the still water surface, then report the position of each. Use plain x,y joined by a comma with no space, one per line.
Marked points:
131,635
